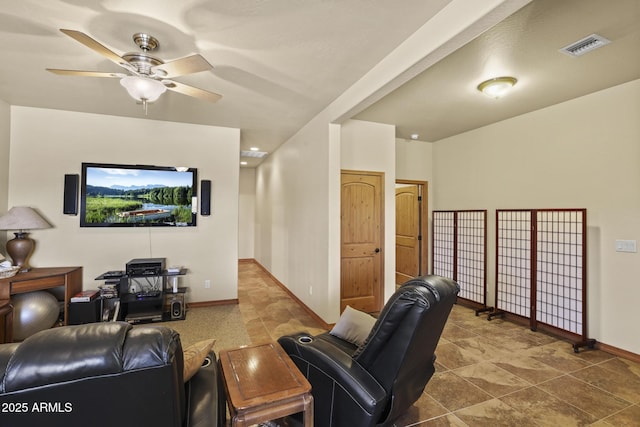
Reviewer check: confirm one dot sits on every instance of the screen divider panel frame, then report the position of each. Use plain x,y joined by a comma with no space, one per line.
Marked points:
541,270
459,252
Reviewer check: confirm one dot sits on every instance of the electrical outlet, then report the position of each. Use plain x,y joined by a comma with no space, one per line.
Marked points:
207,284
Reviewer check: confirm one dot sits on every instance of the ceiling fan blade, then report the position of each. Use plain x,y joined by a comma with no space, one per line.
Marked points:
84,73
179,67
191,91
93,44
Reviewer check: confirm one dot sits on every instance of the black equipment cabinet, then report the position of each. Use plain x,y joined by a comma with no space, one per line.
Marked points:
85,312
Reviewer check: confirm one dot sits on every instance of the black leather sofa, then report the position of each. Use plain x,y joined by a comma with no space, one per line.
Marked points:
374,383
106,374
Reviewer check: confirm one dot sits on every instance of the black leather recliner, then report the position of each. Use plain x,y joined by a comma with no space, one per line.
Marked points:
375,383
106,374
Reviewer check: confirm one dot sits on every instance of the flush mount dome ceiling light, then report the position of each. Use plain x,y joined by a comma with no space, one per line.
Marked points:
497,87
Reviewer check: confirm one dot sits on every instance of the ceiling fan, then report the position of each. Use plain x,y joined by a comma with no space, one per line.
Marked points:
147,76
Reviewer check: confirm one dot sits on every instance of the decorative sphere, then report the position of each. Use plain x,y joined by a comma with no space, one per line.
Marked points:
33,312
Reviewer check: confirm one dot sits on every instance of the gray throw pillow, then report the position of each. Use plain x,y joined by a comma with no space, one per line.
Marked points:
353,326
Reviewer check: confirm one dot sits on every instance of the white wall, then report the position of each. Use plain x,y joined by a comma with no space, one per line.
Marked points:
47,144
367,146
246,213
414,160
583,153
291,221
293,207
298,186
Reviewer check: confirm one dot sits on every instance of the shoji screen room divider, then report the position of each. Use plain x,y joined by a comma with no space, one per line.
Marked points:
541,257
459,252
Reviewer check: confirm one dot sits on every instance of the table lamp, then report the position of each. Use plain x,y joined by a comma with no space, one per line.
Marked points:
21,218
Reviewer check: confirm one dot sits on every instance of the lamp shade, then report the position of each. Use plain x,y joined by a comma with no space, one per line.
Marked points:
22,218
143,88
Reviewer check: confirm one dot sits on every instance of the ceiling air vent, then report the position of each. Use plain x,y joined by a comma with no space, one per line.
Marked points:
585,45
258,154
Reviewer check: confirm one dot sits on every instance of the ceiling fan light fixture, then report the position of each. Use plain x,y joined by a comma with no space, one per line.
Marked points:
143,88
497,87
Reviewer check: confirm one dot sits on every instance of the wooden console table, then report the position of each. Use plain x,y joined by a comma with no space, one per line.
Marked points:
37,279
264,384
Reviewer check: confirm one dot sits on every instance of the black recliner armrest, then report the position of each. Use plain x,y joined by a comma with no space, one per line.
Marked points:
334,373
206,403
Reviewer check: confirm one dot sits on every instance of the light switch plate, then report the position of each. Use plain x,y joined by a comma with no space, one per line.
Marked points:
626,246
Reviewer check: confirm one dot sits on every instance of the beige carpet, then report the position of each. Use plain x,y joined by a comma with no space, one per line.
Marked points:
221,322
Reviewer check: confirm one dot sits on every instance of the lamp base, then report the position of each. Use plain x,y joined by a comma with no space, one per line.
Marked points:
20,249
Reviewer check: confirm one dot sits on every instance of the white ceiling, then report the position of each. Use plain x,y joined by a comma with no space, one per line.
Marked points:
277,63
443,101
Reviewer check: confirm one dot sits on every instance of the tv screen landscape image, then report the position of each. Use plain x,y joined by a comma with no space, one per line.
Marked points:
137,195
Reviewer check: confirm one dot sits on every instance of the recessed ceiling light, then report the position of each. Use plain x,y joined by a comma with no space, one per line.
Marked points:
415,136
243,163
497,87
258,154
254,149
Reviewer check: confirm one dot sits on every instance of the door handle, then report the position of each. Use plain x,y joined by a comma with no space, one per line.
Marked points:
377,250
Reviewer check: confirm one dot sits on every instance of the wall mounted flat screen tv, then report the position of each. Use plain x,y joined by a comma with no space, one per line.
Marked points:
137,196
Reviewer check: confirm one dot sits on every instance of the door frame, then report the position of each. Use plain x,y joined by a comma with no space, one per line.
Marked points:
423,192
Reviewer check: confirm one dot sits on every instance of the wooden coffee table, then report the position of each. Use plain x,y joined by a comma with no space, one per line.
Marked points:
264,384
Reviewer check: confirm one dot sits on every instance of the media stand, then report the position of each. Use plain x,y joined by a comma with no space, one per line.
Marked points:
142,309
143,298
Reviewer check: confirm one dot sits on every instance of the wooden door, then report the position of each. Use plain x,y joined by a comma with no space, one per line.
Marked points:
411,256
361,218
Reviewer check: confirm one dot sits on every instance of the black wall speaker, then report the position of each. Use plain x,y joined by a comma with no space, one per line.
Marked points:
205,197
71,194
177,309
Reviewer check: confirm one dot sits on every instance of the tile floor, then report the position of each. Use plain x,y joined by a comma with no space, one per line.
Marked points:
488,373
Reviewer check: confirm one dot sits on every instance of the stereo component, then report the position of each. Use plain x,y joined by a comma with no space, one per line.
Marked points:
145,267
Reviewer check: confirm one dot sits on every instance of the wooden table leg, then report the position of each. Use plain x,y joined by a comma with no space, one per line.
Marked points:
308,410
6,321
